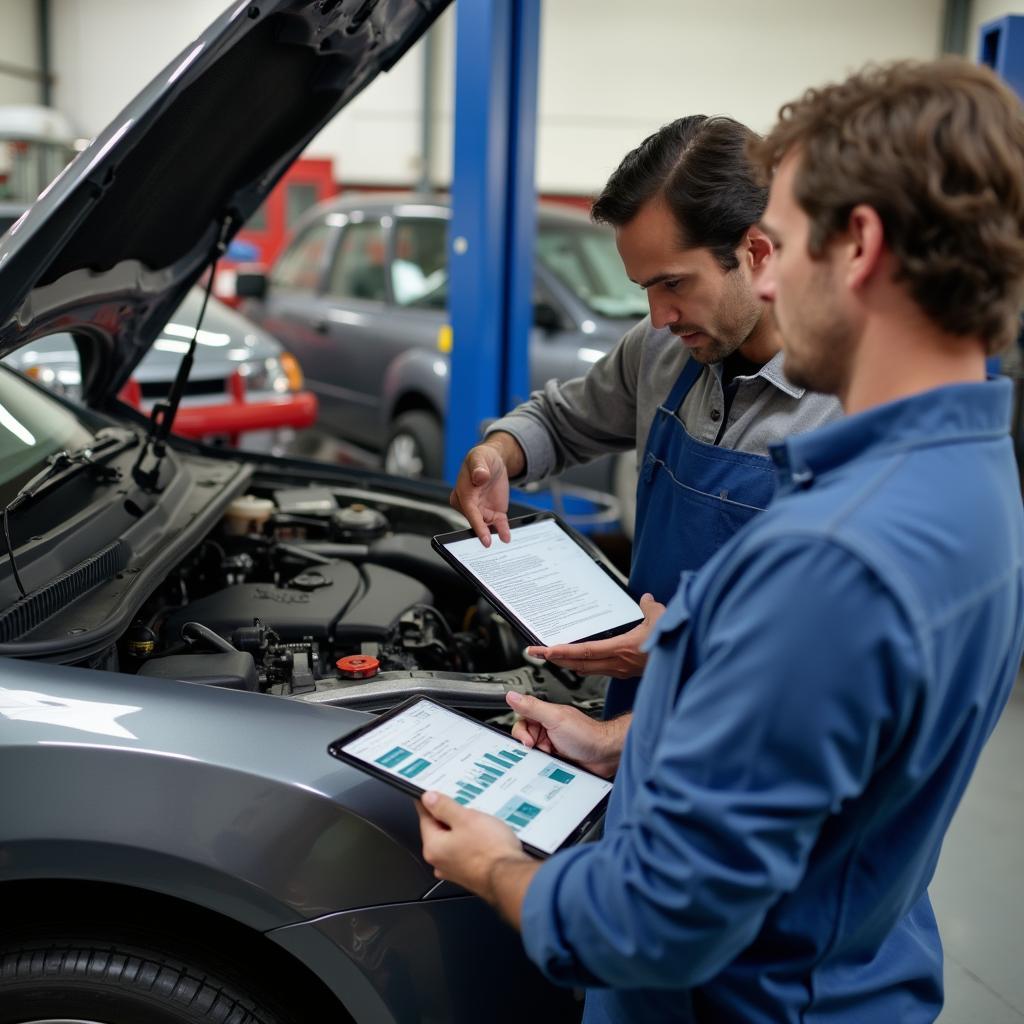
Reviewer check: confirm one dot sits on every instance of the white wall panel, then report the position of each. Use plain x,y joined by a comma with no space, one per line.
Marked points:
105,51
19,46
613,73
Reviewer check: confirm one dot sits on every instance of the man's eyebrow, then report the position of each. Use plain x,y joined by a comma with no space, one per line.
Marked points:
658,278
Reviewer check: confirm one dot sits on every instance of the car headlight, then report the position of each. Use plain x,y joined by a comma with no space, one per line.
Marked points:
279,374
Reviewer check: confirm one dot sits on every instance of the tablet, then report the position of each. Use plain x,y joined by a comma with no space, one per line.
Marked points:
421,745
544,581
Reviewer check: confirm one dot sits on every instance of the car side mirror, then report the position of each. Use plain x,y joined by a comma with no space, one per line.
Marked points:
546,317
251,284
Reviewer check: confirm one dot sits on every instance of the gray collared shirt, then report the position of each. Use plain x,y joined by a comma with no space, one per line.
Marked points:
611,409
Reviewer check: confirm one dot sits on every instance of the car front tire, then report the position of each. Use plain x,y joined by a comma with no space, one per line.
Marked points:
120,981
415,446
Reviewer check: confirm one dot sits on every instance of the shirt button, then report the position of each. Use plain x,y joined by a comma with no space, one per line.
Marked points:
716,415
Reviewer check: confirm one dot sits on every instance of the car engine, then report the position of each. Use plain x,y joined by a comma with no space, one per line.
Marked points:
332,595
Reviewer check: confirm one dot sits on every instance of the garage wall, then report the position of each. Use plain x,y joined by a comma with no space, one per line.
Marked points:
19,49
608,77
105,51
609,80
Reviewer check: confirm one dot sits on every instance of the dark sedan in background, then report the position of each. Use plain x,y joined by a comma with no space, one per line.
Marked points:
360,296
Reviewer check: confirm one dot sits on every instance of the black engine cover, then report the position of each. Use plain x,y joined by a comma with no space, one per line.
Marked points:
339,602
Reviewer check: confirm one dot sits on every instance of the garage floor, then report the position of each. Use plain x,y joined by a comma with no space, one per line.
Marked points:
978,891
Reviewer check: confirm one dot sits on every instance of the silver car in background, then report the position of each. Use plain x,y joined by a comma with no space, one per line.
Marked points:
244,388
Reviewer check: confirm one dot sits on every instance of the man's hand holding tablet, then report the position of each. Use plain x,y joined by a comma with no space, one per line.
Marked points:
618,656
544,581
449,830
472,849
567,732
423,746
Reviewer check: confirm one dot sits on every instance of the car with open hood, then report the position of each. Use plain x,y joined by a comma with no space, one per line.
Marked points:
184,630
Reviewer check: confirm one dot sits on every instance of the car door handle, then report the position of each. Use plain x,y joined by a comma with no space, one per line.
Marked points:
321,326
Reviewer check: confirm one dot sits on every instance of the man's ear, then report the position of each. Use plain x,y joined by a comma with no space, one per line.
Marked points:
863,247
756,247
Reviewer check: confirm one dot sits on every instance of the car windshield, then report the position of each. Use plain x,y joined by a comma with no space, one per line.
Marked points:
32,427
584,258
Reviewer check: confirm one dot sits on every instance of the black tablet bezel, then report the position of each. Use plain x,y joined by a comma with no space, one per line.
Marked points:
439,542
335,749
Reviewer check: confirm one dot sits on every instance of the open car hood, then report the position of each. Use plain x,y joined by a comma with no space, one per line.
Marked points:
112,246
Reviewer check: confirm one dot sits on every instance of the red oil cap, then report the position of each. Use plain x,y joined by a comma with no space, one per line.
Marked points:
358,666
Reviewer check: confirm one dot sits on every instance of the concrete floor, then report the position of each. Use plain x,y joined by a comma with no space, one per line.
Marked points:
978,890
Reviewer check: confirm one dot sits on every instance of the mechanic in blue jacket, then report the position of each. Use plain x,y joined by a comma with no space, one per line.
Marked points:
824,686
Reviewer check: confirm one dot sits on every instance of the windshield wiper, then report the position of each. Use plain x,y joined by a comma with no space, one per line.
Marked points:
58,464
161,419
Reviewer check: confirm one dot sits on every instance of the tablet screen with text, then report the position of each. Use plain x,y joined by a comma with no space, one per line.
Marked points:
546,582
425,745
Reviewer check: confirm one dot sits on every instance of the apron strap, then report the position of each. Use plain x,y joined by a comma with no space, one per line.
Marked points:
686,379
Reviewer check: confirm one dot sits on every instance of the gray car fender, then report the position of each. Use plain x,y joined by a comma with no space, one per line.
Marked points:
224,799
414,372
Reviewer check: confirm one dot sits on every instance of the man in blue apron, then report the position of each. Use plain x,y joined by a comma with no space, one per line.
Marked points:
697,387
817,697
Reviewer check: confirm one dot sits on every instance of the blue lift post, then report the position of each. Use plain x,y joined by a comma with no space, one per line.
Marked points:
493,225
1001,47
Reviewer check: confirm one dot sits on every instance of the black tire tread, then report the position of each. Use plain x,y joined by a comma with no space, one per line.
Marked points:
425,427
164,981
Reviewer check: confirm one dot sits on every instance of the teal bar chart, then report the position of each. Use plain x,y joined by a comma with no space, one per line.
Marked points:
431,747
475,783
558,775
518,813
393,757
506,758
414,768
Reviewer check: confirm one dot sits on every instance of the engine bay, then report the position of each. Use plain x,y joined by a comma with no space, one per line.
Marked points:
334,595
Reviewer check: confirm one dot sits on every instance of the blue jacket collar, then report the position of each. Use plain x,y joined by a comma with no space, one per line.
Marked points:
948,413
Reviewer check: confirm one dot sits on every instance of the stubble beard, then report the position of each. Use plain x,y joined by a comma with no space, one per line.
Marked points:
822,356
821,361
713,351
717,348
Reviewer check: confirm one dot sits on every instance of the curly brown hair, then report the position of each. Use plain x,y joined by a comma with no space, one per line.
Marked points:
937,149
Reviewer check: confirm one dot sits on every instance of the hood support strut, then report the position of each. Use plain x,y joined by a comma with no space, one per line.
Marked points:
161,420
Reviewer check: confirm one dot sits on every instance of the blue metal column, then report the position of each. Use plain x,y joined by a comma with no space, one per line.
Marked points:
1001,47
493,224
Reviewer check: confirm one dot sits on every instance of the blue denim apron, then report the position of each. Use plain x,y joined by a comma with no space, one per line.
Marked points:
690,499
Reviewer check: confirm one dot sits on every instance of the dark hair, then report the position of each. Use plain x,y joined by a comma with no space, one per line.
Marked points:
937,150
700,165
